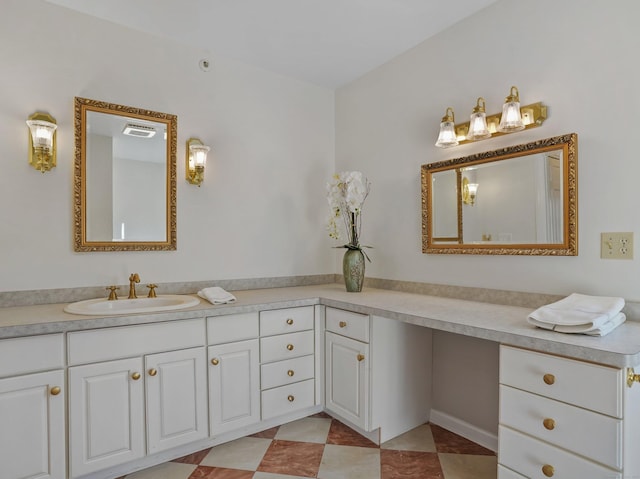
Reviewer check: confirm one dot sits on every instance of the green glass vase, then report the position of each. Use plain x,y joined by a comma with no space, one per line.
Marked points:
353,270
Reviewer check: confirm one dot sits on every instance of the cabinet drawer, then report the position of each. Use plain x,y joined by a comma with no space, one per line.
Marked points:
280,321
232,328
528,456
584,432
127,341
504,473
286,399
286,346
286,372
346,323
31,354
588,385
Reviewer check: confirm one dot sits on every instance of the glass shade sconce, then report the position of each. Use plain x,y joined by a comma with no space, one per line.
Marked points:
196,160
42,141
480,126
469,192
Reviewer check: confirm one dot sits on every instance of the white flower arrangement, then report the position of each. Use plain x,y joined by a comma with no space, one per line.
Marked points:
346,193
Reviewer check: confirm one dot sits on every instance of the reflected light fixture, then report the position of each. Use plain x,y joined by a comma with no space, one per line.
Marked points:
469,192
511,119
196,160
447,136
478,129
42,141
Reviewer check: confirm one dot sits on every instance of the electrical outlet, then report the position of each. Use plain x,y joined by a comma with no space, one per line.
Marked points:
616,245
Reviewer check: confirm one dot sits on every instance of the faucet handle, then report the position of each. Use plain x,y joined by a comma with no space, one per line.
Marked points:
152,290
112,295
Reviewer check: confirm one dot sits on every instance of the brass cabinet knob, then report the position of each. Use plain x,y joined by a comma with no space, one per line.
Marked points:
342,324
548,470
135,376
549,424
289,321
290,398
55,390
290,347
215,361
360,357
290,372
153,372
549,379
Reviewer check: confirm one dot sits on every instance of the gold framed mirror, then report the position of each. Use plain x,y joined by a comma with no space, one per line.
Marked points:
519,200
124,178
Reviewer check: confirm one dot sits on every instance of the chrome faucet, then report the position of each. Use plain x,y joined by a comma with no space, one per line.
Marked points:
133,279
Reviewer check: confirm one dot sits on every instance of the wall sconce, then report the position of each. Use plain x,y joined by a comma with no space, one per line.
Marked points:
447,136
478,129
530,116
469,192
196,160
42,141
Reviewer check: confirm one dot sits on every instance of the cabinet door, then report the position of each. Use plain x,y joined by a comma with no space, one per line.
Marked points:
234,385
347,379
32,426
106,415
176,398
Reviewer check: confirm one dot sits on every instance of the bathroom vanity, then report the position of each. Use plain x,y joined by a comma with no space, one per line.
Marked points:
137,390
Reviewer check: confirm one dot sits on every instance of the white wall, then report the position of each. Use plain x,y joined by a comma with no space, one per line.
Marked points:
579,59
261,210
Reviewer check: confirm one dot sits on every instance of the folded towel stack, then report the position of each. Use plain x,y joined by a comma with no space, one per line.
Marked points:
216,295
580,313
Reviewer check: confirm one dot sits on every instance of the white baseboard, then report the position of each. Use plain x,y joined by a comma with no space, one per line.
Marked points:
464,429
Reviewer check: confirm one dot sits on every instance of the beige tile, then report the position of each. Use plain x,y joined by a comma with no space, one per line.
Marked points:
349,462
418,439
168,470
245,453
269,475
309,429
464,466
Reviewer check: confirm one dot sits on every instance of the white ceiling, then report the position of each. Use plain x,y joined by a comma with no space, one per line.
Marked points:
326,42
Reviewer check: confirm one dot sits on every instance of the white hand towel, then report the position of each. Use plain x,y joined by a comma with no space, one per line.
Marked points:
216,295
588,328
579,309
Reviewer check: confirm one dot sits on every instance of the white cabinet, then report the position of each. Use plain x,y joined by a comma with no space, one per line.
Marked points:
377,372
564,417
32,408
124,409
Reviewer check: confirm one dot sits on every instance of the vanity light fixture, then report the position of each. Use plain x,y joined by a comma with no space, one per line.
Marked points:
530,116
196,160
447,136
42,141
478,129
469,192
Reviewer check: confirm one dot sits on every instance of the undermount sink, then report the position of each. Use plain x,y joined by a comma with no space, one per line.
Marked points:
103,306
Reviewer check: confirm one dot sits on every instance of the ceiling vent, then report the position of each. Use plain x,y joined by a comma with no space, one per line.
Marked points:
140,131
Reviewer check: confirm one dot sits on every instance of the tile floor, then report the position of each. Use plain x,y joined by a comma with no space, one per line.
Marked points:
321,447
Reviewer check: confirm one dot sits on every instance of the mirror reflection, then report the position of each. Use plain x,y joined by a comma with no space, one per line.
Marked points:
125,178
519,200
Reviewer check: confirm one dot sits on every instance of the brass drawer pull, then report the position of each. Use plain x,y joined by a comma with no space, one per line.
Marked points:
290,398
135,376
215,361
55,390
290,347
549,424
549,379
342,324
153,372
548,470
290,373
360,357
289,321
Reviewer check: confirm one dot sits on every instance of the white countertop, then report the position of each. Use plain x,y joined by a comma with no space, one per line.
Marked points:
503,324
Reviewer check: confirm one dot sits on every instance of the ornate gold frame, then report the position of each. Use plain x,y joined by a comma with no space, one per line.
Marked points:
569,247
80,243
